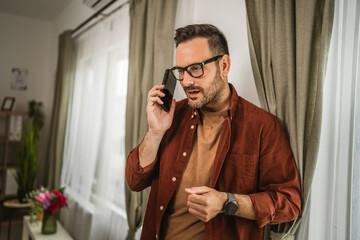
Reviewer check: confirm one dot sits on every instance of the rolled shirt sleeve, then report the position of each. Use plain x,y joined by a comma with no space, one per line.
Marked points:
138,178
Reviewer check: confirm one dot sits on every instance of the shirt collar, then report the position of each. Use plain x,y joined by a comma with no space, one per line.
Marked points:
233,102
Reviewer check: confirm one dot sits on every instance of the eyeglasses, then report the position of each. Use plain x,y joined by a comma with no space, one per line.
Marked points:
195,70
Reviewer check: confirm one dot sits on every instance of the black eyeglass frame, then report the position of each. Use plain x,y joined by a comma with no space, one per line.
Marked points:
213,59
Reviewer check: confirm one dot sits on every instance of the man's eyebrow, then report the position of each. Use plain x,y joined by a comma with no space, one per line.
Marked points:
180,67
188,65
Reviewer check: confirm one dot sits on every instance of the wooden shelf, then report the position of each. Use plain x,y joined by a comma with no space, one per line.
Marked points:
9,148
11,165
8,166
13,113
3,140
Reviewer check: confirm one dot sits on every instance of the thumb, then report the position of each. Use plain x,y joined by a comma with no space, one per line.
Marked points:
172,108
198,190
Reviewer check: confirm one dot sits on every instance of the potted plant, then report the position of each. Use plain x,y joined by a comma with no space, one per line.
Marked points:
26,170
36,115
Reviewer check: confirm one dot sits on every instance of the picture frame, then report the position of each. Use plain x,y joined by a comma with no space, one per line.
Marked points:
8,104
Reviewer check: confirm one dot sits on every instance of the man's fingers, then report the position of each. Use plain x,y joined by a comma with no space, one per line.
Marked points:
198,190
155,91
154,95
195,198
156,100
197,206
197,214
159,86
203,202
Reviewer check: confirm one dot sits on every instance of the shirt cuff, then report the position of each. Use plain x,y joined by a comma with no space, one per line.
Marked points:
264,208
146,169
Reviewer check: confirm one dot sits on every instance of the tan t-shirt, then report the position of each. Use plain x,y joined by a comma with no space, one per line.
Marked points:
178,223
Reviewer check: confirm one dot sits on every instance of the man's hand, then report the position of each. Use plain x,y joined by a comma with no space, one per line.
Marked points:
205,203
158,119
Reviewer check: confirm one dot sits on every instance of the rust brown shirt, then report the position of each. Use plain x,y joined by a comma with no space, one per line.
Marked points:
253,157
178,223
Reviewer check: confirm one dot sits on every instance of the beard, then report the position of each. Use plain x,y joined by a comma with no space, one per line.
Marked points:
209,95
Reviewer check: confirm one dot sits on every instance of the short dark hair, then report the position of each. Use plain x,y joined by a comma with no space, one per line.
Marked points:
216,39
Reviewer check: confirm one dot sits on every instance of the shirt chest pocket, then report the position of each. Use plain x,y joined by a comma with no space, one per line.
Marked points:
239,174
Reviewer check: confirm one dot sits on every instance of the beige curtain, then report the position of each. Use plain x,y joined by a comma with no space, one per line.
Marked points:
65,69
151,52
289,42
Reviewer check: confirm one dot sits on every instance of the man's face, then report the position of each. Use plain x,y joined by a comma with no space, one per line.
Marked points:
207,89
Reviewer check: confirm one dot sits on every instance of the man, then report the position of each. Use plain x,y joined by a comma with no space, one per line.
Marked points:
218,166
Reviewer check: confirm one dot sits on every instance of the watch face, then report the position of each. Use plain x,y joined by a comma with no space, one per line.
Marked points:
231,208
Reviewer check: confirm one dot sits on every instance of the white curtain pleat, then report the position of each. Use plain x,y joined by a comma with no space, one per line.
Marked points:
94,155
331,207
76,220
355,203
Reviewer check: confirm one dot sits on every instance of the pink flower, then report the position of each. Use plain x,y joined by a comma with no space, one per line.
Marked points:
43,197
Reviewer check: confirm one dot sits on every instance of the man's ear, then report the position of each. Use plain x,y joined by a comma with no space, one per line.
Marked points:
225,63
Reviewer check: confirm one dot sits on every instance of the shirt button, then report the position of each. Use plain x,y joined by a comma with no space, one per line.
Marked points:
184,154
173,179
161,208
192,126
156,236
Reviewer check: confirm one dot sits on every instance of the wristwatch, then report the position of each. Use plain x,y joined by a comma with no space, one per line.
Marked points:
231,206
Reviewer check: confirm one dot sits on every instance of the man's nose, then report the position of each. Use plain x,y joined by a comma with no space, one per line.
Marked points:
188,79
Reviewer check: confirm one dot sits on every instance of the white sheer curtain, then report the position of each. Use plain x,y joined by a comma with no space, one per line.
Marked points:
94,157
331,204
355,196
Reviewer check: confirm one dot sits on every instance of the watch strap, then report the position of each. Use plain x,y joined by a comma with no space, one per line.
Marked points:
231,197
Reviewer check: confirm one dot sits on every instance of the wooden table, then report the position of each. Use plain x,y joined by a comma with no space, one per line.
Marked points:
33,231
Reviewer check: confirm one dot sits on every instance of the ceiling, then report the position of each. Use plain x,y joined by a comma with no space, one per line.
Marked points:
41,9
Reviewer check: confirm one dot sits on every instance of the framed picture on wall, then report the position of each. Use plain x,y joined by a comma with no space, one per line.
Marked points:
8,104
19,78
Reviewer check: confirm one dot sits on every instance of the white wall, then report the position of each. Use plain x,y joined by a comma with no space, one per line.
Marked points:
231,19
27,43
33,44
71,17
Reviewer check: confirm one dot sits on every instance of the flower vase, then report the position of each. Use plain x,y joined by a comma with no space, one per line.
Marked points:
48,223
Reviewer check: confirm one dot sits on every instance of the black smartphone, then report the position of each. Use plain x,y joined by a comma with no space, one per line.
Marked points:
170,82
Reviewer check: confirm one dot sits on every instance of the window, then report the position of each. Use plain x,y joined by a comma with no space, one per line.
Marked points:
94,155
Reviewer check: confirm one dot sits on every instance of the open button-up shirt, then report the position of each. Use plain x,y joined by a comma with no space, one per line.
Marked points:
253,157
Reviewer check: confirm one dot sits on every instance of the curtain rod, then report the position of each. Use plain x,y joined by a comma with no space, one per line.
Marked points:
96,14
